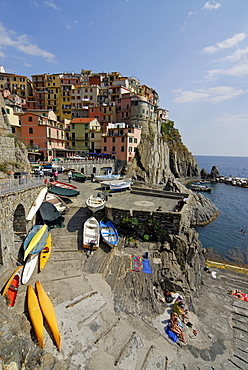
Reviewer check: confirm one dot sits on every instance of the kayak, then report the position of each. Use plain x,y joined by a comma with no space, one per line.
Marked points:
12,290
10,280
46,251
37,203
36,316
48,312
34,240
29,267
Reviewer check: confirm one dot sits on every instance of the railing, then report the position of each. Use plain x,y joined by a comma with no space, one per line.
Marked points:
11,185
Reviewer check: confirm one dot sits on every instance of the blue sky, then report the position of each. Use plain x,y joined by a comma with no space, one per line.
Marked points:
194,53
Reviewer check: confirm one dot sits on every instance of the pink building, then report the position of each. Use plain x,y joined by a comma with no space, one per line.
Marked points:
121,141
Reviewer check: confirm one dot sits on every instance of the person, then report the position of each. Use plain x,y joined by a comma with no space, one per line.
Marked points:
174,326
92,177
69,176
179,309
41,173
56,175
238,294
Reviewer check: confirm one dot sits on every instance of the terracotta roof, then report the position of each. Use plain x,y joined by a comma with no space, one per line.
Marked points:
82,120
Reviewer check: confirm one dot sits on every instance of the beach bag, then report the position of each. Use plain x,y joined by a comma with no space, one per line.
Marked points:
171,335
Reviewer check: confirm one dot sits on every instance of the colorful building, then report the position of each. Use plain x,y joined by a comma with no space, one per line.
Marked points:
85,135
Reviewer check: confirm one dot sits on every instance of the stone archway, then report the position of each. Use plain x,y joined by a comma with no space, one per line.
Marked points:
19,220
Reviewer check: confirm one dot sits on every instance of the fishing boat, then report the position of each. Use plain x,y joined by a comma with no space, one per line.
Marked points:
109,233
48,312
95,203
91,234
35,315
63,192
62,185
119,185
78,176
11,287
200,188
29,267
60,205
46,252
107,177
36,205
50,215
35,240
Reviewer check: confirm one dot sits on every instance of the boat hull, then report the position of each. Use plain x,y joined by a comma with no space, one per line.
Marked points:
36,205
109,233
35,240
29,267
10,279
11,292
49,313
46,252
106,177
64,185
63,192
36,316
78,177
95,203
91,234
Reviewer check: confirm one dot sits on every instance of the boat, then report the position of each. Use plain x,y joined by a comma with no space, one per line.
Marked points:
200,188
109,233
35,315
57,202
29,267
106,177
11,287
91,234
50,215
79,176
62,185
45,253
120,185
35,240
48,312
63,192
95,203
36,205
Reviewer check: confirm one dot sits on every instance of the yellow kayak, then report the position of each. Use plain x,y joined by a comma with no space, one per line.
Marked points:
36,316
46,251
10,280
36,238
48,312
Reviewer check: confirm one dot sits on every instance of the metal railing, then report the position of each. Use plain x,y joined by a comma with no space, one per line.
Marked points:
11,185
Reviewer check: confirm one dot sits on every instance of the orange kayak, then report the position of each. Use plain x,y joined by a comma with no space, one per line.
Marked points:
12,290
46,251
48,312
36,316
10,280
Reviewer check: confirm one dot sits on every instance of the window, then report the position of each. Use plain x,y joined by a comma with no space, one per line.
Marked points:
73,136
30,119
73,126
86,126
113,148
30,130
135,140
135,149
130,149
113,139
31,142
130,140
104,139
73,143
123,139
104,148
49,132
122,148
86,143
92,135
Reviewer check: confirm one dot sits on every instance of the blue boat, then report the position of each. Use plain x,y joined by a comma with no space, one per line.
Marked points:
109,233
40,245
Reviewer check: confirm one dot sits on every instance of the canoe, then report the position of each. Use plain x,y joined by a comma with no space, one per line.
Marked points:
79,176
29,267
45,253
106,177
95,203
10,280
63,192
36,204
50,215
91,234
57,202
36,316
64,185
35,240
48,312
109,233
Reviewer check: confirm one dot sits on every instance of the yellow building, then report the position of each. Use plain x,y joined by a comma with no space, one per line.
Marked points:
85,135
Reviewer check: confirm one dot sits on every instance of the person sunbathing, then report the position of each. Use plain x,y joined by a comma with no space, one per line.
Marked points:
175,328
179,309
238,294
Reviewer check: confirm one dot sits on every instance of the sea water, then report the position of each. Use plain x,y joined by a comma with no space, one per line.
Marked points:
225,234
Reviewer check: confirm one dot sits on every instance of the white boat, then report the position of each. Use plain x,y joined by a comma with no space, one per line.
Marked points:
36,205
95,203
119,185
91,233
107,177
29,267
57,202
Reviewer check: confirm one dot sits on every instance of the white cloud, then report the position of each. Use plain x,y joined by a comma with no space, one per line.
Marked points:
51,4
236,70
22,43
212,5
236,119
237,55
226,44
210,95
2,55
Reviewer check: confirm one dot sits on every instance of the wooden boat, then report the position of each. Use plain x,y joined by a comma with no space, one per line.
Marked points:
95,203
91,234
109,233
107,177
35,315
57,202
62,185
29,267
63,192
50,215
120,185
36,204
79,176
35,240
46,252
11,287
48,312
